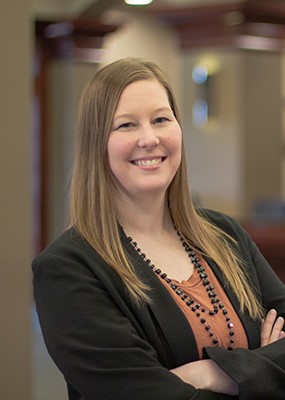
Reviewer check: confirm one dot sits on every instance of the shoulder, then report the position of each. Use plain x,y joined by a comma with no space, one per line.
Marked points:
223,221
68,244
68,254
231,227
70,263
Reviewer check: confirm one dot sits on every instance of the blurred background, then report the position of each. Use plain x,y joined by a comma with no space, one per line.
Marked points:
226,60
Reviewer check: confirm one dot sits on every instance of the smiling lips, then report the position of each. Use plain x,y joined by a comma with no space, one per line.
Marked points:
148,162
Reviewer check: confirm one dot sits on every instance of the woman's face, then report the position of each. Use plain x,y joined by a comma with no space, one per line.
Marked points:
144,146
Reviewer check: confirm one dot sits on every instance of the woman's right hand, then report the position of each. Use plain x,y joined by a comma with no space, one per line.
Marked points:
271,328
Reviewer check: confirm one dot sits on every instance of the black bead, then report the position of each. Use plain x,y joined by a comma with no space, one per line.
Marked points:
203,320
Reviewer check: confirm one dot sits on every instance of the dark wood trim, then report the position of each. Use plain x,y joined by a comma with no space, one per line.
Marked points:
225,24
40,147
61,39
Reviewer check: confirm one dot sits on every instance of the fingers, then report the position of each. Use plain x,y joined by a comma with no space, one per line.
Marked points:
271,328
282,335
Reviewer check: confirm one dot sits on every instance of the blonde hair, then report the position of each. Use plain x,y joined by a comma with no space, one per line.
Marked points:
92,210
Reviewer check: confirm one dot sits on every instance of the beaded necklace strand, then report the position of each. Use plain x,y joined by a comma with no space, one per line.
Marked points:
195,307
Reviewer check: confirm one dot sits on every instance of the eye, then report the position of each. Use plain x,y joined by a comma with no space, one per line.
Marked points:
124,126
161,120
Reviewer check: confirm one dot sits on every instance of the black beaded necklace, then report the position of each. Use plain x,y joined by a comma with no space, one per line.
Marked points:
194,306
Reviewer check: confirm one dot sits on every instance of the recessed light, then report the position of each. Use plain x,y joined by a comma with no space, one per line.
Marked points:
138,2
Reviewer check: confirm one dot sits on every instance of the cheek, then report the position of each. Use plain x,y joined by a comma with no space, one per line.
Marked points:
175,141
117,150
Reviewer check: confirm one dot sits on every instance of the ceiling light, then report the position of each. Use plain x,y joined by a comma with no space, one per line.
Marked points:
138,2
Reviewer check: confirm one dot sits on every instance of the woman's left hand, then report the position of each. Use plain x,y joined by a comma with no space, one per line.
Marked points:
271,328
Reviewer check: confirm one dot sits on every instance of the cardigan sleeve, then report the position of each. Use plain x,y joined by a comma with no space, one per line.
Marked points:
92,341
260,372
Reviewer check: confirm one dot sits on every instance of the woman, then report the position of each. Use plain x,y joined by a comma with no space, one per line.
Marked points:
144,296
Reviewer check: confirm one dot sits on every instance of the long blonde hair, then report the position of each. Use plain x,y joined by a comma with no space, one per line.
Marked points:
92,210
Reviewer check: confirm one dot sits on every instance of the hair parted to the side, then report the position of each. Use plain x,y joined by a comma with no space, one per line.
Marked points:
92,210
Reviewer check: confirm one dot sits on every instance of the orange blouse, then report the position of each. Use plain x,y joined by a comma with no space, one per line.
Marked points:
195,289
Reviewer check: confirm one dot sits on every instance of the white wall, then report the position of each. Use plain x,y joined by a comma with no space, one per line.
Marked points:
262,133
215,153
144,37
66,80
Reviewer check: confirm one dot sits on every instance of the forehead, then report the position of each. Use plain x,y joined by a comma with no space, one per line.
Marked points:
149,91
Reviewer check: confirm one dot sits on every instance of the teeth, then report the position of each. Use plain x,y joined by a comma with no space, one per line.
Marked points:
142,163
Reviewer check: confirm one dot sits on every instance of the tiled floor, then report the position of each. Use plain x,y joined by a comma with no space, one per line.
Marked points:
49,383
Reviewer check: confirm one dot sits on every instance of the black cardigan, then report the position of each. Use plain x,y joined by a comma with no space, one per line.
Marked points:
108,348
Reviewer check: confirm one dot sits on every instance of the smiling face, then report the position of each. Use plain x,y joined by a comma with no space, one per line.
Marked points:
144,146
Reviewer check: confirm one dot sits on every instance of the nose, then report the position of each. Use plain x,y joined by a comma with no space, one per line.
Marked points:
148,137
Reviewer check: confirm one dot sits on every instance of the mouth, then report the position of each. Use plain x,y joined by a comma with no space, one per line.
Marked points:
148,162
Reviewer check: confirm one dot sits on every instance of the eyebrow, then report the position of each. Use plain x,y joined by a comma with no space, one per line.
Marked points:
130,115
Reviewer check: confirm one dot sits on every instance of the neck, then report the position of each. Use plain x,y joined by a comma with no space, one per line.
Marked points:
147,217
